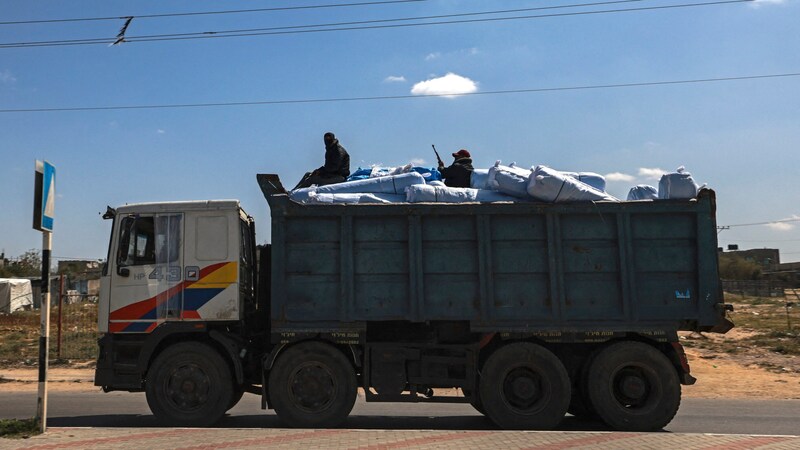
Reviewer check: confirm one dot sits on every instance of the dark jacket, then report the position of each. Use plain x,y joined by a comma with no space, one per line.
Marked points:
459,174
337,161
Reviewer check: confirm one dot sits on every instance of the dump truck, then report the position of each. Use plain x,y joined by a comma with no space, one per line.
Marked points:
524,310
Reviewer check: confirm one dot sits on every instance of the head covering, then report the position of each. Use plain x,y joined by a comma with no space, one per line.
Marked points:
329,138
463,153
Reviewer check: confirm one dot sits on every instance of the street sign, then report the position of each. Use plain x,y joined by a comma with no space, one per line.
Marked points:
44,197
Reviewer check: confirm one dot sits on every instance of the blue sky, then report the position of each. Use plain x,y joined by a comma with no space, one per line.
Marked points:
740,137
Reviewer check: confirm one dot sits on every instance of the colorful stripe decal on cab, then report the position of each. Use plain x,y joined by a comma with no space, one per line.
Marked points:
213,280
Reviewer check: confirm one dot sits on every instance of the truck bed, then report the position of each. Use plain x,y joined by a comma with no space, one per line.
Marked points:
642,266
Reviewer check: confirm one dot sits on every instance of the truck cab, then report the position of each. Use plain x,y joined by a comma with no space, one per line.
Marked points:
179,268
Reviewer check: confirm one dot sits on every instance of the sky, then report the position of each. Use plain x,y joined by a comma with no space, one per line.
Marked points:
739,137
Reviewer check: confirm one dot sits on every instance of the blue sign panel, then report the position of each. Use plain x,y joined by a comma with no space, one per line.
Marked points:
44,203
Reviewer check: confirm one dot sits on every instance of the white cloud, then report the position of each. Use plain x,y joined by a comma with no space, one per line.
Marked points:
450,85
651,173
432,56
394,79
6,77
619,176
160,131
759,3
418,161
784,225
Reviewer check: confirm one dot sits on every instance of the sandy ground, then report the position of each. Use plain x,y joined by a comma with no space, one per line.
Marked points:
718,376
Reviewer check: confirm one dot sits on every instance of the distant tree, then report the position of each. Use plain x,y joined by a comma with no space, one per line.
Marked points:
29,264
734,267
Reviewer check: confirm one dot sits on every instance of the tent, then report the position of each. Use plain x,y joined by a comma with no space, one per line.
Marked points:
15,294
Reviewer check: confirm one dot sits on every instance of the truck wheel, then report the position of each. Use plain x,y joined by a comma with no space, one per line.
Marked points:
189,385
634,387
524,386
312,385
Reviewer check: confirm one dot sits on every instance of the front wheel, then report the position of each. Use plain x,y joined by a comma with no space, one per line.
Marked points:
189,385
634,387
312,385
524,386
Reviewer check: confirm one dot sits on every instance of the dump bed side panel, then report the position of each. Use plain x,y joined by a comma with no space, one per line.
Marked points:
502,267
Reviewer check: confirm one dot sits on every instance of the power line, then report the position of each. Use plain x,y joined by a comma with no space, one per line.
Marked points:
208,13
401,97
762,223
300,27
320,28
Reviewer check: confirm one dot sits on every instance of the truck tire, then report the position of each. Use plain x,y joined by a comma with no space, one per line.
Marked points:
312,385
634,387
189,385
524,386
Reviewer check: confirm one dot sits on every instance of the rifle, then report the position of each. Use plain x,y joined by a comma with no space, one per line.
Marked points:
438,158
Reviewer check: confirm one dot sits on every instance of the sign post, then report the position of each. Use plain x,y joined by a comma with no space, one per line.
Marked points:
43,217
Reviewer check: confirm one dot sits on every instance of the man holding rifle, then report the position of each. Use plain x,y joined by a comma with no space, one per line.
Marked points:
459,174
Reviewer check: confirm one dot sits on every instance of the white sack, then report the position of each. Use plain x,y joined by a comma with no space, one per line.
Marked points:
347,198
643,192
395,184
550,185
479,179
594,180
429,193
509,180
423,193
678,184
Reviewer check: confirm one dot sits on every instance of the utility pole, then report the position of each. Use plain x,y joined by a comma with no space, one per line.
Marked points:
44,198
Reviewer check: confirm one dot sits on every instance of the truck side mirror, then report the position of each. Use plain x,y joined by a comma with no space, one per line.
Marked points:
123,271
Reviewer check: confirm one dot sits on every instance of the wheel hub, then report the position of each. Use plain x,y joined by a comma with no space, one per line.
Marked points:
633,387
312,387
522,389
188,387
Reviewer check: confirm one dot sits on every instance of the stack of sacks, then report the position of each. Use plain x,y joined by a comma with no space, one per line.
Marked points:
429,173
385,189
677,185
643,192
550,185
509,180
436,192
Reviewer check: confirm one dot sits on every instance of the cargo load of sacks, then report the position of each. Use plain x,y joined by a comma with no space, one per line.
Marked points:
409,184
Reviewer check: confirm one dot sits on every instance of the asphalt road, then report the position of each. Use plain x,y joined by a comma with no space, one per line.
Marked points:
121,409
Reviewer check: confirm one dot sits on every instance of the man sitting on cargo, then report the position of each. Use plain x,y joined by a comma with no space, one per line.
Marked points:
460,172
336,168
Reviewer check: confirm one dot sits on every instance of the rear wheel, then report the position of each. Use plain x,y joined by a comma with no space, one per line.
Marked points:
634,387
312,385
189,385
524,386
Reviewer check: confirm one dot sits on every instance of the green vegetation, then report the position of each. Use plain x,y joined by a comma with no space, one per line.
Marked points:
29,264
734,267
19,334
18,428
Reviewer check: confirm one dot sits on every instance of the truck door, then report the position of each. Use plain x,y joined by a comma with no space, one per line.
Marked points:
147,279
